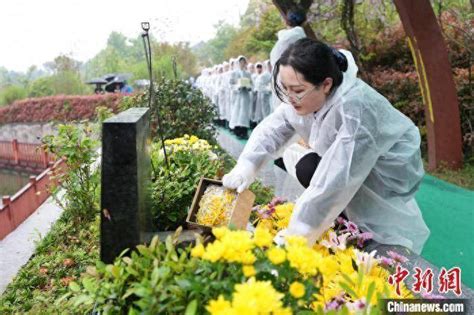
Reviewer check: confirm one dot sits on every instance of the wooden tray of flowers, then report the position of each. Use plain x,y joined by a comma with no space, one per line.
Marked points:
214,205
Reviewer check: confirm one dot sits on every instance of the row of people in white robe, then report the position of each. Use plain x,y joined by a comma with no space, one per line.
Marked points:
241,92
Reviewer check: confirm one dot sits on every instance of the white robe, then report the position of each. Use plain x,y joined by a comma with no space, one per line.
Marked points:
241,102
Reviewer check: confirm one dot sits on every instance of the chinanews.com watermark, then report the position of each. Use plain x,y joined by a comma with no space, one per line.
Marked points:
424,286
421,306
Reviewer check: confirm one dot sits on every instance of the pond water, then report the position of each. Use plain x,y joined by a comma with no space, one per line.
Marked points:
11,181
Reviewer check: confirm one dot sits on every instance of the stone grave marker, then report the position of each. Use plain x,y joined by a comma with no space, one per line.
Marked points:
126,173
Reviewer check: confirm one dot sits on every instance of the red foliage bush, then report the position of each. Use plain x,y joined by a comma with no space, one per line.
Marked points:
391,71
57,108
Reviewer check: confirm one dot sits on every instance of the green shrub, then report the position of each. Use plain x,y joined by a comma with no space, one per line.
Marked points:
172,189
12,93
148,282
181,108
41,87
77,177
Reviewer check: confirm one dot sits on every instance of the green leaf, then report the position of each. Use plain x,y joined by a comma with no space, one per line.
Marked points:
191,308
370,292
348,279
82,299
89,284
74,286
183,283
348,289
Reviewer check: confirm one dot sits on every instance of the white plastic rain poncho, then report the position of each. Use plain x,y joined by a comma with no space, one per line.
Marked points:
370,166
222,95
241,101
215,88
230,75
253,97
264,94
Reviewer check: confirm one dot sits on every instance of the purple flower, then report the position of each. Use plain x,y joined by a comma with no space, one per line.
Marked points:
397,257
277,201
336,303
341,221
357,305
362,237
266,213
351,227
386,261
332,306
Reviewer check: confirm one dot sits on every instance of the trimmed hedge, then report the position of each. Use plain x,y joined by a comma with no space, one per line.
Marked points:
60,108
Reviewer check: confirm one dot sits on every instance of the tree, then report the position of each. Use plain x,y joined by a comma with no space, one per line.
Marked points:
263,37
213,51
63,63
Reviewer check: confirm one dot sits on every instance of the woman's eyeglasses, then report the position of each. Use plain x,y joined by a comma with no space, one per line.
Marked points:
297,98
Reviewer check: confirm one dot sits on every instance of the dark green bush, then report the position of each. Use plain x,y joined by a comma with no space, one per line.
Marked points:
182,109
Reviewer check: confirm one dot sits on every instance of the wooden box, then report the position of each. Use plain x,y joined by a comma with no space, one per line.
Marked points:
240,214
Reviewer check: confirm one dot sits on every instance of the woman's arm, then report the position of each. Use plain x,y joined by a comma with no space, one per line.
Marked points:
268,137
340,174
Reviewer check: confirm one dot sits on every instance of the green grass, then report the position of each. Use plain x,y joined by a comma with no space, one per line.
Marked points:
60,257
463,177
447,210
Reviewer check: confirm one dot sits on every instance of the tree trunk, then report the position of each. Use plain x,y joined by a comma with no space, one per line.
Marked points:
430,55
348,25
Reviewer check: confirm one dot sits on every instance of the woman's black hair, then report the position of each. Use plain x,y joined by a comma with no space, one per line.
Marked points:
315,60
295,17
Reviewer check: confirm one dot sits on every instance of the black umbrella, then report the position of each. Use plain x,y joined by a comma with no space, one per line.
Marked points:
116,83
96,81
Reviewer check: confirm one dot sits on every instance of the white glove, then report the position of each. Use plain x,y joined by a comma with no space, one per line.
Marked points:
241,176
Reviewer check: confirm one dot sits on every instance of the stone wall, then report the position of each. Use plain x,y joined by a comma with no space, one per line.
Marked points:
26,132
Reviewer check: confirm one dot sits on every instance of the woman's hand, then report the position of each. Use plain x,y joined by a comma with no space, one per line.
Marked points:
241,176
296,228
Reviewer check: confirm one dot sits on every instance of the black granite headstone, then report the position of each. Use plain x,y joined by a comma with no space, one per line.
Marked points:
126,172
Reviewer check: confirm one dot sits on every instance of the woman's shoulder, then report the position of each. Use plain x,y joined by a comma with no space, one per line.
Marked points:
371,109
363,97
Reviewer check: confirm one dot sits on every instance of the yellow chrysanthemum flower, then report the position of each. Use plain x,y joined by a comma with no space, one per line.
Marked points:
193,139
266,224
256,297
276,255
248,258
262,237
198,251
219,306
214,251
219,232
301,257
297,289
249,271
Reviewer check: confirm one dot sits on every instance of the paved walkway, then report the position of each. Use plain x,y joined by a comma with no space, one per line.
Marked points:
17,248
